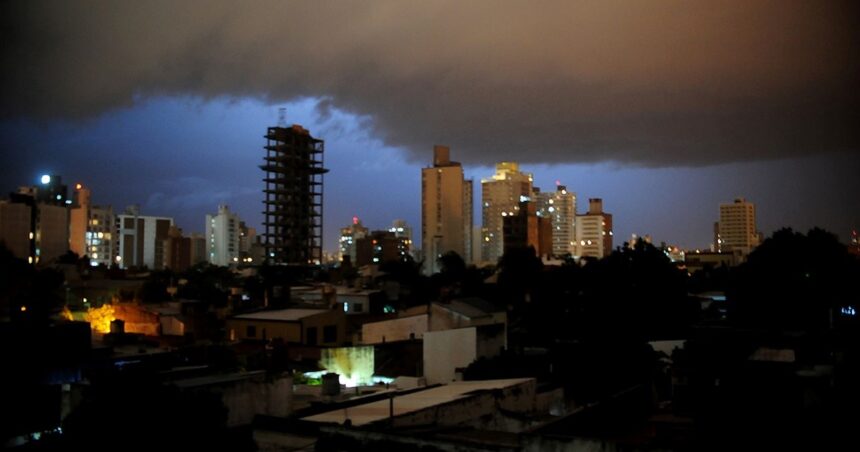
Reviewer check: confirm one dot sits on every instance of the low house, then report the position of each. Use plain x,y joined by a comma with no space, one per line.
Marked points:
285,324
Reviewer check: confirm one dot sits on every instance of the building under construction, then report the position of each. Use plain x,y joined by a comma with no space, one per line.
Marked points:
293,196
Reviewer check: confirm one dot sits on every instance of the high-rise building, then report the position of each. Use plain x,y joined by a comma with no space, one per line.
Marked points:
446,210
79,221
223,237
51,191
402,231
91,228
560,208
737,227
140,239
15,229
293,196
45,207
526,229
594,231
199,253
99,236
177,250
348,237
247,239
380,246
501,195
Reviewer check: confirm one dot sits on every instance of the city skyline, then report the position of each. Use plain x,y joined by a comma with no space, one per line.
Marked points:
662,128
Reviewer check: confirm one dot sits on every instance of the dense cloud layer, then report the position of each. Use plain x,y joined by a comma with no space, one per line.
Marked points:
646,83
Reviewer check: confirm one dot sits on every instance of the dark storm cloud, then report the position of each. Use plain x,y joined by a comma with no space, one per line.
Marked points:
647,83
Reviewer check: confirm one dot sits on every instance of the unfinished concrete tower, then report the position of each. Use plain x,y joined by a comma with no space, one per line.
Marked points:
293,196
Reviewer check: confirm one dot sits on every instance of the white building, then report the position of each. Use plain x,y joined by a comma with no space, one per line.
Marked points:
560,208
594,231
139,239
223,237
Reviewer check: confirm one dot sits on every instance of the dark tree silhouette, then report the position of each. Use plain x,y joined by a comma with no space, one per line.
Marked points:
794,281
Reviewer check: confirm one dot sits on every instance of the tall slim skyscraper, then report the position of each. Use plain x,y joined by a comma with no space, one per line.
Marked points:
501,195
223,237
91,228
293,196
79,221
446,210
560,208
737,227
594,231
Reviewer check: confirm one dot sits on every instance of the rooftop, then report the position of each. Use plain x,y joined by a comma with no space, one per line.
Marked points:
281,315
416,401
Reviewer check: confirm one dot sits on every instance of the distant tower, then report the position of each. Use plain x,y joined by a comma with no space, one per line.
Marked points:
293,196
737,227
348,237
223,236
501,195
446,210
594,231
560,207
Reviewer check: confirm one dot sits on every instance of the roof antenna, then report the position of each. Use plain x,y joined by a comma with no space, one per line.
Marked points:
282,117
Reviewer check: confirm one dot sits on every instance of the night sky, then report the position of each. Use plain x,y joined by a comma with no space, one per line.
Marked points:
663,109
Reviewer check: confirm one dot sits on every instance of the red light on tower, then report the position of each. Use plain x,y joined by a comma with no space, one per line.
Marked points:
354,220
557,182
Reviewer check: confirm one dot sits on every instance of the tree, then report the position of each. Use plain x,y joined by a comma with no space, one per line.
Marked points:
794,281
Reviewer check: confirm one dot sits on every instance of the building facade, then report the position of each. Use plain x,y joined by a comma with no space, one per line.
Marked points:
44,211
348,237
140,239
15,229
223,237
91,228
594,231
736,231
501,195
526,229
446,210
560,208
380,246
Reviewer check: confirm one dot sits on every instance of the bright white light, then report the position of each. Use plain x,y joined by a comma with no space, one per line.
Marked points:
46,179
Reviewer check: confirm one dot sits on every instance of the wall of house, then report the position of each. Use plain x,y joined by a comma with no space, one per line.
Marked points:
353,364
290,332
267,396
401,329
334,318
445,351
